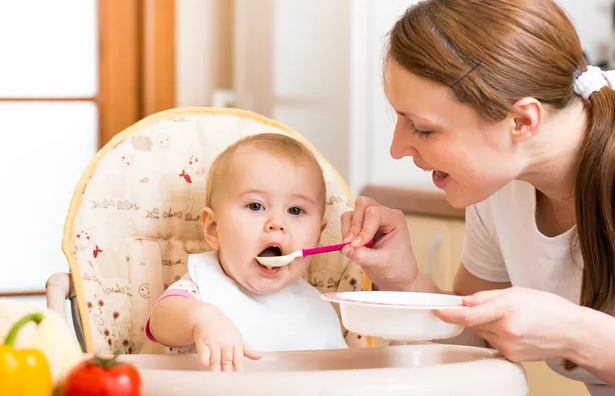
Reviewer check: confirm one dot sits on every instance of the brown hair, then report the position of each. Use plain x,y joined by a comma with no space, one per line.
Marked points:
276,144
493,53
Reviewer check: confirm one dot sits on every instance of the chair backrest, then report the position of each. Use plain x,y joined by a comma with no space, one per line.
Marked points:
135,217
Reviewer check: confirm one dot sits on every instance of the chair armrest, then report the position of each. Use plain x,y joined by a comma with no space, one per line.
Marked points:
59,288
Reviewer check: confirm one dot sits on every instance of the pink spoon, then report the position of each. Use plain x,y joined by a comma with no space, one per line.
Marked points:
280,261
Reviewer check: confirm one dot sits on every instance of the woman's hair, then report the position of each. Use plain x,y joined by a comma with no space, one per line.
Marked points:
493,53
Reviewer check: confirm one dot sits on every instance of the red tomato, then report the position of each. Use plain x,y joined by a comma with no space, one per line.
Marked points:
103,377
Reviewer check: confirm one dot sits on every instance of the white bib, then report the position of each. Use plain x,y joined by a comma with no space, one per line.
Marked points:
295,318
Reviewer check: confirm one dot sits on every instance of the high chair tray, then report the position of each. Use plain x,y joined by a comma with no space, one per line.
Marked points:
425,369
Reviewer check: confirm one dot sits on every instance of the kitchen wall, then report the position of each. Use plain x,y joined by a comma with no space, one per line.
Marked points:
317,67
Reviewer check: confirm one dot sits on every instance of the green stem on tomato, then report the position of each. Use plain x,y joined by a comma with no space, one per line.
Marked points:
105,363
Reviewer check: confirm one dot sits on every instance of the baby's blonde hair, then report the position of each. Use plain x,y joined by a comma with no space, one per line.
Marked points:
276,144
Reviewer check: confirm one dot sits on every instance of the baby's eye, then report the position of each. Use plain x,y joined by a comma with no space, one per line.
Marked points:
295,210
255,206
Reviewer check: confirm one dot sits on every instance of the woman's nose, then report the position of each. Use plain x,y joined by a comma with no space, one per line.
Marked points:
401,145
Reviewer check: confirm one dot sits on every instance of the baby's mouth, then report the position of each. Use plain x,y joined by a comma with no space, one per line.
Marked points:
271,251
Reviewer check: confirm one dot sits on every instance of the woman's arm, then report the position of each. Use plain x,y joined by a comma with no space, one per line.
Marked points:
465,284
592,344
533,325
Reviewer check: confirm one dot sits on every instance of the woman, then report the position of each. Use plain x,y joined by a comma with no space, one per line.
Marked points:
495,98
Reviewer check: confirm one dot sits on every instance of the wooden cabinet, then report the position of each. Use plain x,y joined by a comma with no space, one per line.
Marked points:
545,382
437,244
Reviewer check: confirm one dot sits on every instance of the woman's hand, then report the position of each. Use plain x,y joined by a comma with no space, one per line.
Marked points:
522,324
390,262
219,343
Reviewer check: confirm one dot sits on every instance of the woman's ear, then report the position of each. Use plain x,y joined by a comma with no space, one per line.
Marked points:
210,231
528,117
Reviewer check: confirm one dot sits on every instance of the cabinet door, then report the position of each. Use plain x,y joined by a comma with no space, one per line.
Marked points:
545,382
433,248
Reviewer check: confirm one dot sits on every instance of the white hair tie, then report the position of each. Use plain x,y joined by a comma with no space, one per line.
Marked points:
593,80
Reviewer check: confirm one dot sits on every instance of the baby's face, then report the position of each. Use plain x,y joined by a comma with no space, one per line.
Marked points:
267,206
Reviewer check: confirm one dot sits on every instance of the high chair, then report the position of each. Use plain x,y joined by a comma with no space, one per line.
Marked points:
136,215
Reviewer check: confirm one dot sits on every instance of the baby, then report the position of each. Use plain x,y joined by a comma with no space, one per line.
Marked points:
265,197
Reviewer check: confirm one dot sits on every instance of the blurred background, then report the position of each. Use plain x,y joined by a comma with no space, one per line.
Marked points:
73,73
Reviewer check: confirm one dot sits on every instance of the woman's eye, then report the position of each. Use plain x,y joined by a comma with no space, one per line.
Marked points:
255,206
295,210
419,132
422,134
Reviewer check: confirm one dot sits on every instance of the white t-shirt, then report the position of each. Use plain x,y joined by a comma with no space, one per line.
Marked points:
503,244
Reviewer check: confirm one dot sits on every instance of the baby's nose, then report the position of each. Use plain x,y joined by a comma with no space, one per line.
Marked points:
275,226
275,223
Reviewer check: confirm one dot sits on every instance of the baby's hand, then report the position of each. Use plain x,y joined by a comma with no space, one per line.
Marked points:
219,343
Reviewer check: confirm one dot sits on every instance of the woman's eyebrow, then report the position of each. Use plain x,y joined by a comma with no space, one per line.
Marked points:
403,114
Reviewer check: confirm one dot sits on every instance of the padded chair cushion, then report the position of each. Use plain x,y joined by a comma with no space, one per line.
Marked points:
136,215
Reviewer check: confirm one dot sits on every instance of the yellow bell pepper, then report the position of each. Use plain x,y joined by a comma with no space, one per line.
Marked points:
24,372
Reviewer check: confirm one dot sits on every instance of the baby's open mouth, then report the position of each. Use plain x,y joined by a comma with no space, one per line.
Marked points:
271,251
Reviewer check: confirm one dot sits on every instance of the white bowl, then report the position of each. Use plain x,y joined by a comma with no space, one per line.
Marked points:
402,316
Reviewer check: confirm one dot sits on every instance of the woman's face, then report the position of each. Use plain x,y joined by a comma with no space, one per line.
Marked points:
469,158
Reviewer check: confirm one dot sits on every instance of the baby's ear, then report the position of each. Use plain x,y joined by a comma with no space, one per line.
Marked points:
210,230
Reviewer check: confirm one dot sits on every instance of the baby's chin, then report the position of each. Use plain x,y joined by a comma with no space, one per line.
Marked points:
263,286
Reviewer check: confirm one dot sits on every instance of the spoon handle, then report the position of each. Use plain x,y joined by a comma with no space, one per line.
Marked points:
329,248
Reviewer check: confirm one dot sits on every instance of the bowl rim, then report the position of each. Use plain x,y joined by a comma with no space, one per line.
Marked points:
340,298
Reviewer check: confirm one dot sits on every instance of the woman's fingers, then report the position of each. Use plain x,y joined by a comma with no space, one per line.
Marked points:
367,256
371,223
379,218
483,297
346,219
355,224
472,317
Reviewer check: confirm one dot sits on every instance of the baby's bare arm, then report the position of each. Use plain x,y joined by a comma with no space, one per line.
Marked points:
173,320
